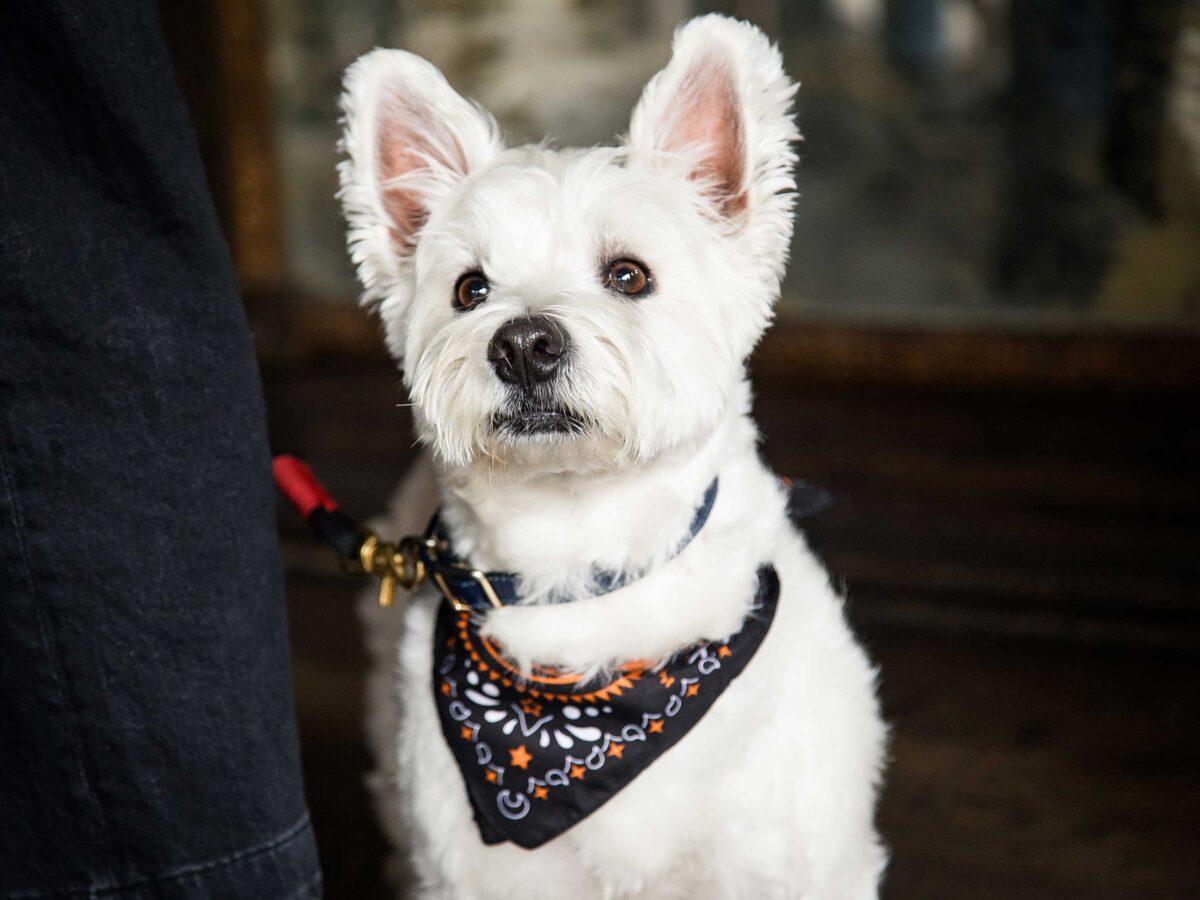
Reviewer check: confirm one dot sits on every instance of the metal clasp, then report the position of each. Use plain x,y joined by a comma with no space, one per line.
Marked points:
452,598
392,565
404,565
432,546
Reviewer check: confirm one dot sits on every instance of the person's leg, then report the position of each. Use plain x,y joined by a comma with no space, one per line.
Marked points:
147,740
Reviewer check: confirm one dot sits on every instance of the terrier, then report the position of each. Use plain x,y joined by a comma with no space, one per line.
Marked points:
627,675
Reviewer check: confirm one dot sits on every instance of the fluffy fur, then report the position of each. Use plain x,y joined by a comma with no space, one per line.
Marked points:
772,794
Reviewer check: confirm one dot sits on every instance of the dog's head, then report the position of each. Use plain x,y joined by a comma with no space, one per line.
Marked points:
573,310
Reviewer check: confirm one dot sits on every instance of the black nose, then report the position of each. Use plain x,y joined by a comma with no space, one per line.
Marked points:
527,352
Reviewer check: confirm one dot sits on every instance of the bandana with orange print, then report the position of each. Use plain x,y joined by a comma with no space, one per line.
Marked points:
540,751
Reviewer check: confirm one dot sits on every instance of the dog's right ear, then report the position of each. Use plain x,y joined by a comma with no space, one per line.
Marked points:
409,138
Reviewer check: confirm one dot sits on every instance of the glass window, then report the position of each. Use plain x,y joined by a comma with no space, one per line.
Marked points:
965,161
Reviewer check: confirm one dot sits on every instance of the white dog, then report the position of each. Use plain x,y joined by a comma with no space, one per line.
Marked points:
664,699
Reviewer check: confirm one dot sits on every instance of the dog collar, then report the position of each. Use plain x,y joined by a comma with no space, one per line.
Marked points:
540,751
412,560
468,588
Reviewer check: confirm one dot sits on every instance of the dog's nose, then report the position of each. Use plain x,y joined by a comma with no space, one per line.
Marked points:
527,352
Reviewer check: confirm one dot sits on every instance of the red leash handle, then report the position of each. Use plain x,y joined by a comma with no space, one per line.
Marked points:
296,481
317,507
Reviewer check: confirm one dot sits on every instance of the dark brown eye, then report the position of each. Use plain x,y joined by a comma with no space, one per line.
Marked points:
628,277
471,290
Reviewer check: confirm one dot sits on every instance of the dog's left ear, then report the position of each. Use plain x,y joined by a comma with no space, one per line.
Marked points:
722,111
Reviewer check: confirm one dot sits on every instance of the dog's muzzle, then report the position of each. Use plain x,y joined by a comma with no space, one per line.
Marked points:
528,355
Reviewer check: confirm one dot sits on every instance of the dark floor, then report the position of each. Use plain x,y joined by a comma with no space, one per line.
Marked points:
1024,568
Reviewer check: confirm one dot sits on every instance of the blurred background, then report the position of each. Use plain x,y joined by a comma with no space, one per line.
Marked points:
988,348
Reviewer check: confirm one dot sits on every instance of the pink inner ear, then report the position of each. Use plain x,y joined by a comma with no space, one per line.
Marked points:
710,116
408,141
403,205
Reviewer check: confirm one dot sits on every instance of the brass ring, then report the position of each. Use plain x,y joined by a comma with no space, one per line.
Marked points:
408,565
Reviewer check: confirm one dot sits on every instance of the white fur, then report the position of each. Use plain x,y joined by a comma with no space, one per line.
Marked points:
772,793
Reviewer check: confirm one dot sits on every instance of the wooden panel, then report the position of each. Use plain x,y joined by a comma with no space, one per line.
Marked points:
219,50
961,357
801,353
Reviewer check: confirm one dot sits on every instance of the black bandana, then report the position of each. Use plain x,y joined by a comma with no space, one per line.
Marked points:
540,753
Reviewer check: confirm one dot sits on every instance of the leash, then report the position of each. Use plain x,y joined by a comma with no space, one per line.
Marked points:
412,561
359,550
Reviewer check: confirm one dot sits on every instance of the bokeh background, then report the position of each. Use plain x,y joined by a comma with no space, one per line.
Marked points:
988,348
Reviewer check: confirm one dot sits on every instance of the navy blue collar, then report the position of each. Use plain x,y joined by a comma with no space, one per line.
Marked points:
468,588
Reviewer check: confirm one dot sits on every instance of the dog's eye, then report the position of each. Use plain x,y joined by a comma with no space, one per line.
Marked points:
471,290
628,277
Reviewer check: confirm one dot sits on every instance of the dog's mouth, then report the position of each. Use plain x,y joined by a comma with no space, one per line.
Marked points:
528,422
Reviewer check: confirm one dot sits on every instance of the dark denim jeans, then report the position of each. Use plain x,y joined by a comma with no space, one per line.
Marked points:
147,740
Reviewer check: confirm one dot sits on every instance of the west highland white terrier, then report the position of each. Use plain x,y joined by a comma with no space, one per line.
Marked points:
626,674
